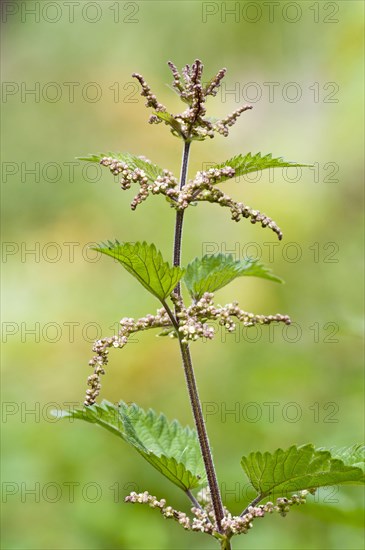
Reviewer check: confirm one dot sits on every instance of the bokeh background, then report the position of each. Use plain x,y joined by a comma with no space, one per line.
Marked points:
301,67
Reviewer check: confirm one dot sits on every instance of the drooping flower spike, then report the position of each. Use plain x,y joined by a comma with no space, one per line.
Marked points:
193,324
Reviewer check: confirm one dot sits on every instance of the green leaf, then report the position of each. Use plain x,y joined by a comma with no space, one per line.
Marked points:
244,164
151,170
146,264
167,332
299,468
212,272
353,455
173,450
171,121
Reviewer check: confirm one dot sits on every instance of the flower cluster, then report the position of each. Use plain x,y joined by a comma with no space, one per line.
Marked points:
193,324
129,176
204,180
238,209
212,86
203,516
238,525
191,124
165,184
201,188
167,511
101,347
193,319
202,520
146,92
222,126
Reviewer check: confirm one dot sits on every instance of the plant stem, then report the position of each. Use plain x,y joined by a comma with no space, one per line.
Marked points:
189,371
193,499
253,503
226,544
174,322
202,433
180,213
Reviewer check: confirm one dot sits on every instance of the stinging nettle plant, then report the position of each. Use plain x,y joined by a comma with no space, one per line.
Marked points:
183,455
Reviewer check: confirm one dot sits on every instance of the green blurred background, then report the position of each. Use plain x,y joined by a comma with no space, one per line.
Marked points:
311,374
